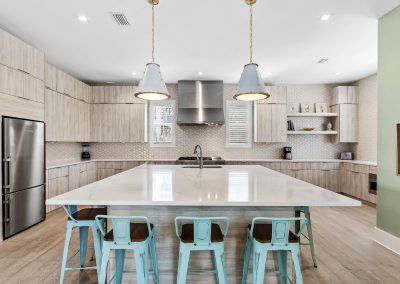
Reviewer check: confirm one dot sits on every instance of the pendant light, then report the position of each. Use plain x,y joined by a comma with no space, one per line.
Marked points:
251,86
152,86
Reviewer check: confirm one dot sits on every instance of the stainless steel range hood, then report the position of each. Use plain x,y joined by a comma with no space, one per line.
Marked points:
200,103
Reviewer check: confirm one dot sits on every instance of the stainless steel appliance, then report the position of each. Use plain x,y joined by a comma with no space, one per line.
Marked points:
23,186
200,103
373,183
287,153
85,155
346,156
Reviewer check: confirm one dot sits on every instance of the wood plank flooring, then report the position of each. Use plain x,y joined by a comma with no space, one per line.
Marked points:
343,237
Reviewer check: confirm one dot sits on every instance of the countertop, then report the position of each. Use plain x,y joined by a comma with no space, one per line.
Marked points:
171,185
56,164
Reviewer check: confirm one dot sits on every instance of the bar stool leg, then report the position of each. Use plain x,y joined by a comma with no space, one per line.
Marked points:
183,265
297,268
119,265
246,260
282,262
219,258
141,260
68,234
97,248
104,263
83,235
259,261
310,236
154,261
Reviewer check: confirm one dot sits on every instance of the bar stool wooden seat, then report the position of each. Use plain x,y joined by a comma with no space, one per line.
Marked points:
264,237
306,211
201,234
137,236
82,219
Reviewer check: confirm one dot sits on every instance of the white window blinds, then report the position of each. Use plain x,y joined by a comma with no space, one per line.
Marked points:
162,124
239,124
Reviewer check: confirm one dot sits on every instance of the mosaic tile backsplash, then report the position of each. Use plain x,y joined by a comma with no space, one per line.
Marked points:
212,139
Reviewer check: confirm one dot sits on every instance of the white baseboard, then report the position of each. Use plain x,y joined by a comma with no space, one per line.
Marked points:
387,240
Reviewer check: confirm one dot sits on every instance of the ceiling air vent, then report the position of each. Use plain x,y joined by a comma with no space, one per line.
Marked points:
322,60
120,19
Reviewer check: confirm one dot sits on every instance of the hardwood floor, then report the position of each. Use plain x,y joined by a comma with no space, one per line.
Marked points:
343,238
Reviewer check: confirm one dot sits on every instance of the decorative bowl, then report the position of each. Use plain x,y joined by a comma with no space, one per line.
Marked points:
308,129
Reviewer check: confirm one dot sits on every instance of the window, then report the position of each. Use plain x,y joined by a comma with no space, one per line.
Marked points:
239,124
162,124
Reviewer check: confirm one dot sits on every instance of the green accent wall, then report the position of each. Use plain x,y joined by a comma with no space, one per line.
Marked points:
388,218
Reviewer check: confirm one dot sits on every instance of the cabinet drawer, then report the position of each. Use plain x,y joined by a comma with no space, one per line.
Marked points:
58,172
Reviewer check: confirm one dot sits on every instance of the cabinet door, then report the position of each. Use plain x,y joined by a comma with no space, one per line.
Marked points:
278,123
333,180
54,188
98,94
5,48
83,178
37,64
51,117
5,79
33,88
104,173
17,53
103,122
50,77
74,177
278,95
304,175
352,95
348,123
122,126
263,120
91,176
318,178
136,122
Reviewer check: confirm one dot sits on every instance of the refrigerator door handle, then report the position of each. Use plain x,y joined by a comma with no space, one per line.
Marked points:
7,211
6,165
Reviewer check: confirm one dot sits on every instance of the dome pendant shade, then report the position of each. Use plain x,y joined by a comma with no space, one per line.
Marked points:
251,87
152,86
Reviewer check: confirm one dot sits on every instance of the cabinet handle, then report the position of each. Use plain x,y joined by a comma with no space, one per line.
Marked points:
7,211
6,165
23,71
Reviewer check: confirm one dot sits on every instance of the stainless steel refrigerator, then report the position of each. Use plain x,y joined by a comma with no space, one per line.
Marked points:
23,157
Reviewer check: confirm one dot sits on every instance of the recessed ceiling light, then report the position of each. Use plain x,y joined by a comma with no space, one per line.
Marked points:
325,17
269,73
134,73
338,73
200,73
82,18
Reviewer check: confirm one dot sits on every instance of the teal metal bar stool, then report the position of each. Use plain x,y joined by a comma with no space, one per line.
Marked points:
264,237
201,234
126,235
306,211
82,219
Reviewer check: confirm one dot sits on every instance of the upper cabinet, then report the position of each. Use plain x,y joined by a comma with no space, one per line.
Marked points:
65,83
114,95
50,77
277,94
5,48
344,95
346,123
270,123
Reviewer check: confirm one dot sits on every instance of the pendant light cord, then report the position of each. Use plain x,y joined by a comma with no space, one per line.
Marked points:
251,33
152,33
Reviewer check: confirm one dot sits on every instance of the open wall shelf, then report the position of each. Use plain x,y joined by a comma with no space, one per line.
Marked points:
325,114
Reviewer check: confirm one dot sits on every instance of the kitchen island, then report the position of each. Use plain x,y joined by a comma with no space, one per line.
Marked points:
163,192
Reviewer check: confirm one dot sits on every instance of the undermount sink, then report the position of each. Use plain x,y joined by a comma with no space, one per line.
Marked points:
204,167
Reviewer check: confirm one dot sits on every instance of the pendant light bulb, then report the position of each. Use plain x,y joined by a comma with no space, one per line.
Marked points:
152,86
251,86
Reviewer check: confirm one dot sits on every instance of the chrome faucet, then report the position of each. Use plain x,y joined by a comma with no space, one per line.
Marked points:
199,154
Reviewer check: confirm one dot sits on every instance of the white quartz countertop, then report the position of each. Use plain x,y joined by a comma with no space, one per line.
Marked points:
57,164
173,185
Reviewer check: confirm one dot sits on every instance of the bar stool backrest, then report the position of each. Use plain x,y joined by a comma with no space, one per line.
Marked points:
280,228
121,226
202,228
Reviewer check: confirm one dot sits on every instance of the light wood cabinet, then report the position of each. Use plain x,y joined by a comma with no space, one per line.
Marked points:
270,123
114,95
136,122
65,83
346,123
5,48
344,95
33,88
117,122
50,77
57,183
74,176
278,95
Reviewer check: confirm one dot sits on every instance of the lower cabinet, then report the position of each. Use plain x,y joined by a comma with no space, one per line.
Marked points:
57,183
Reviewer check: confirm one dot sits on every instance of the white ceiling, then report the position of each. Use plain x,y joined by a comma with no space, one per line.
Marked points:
203,35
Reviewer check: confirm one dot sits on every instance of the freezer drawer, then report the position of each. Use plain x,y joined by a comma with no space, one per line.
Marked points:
23,154
23,209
